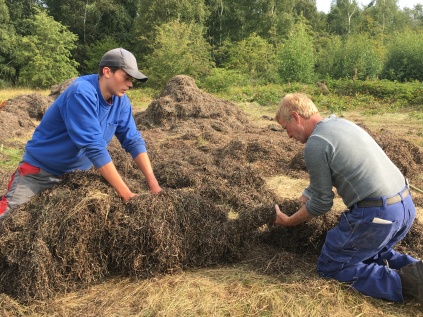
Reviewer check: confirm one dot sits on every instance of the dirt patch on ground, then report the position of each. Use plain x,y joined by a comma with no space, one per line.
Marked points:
216,168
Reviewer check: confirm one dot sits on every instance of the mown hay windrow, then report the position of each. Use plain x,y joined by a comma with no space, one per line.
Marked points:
215,206
176,229
56,90
405,155
17,114
306,238
10,307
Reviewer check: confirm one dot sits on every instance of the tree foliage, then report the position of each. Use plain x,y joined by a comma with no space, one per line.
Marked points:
404,60
179,48
96,51
342,18
154,13
354,57
45,54
296,56
244,36
253,57
8,43
234,21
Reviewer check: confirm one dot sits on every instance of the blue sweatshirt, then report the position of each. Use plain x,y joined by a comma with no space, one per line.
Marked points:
77,128
340,154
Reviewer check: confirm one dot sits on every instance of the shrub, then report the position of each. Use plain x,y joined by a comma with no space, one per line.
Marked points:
404,58
220,80
356,57
179,48
296,57
254,57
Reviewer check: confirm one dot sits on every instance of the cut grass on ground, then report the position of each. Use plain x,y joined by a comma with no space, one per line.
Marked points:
227,291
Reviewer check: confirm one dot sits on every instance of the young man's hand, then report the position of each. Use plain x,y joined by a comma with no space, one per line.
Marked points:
127,197
155,189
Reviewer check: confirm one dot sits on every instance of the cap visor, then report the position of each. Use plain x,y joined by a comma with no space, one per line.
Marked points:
136,74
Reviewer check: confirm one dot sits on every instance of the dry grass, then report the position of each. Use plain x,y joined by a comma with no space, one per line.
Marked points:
13,92
225,291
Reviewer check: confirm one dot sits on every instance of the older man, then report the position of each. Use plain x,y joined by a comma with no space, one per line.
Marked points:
380,212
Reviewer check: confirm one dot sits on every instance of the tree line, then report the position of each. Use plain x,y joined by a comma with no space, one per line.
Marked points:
218,42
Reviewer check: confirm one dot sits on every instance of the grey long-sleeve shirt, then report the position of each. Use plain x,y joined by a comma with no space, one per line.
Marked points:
340,154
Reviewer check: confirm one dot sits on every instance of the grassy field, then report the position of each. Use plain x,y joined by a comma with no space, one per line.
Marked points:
233,290
10,93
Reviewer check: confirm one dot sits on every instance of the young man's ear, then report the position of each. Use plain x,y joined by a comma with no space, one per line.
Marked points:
107,72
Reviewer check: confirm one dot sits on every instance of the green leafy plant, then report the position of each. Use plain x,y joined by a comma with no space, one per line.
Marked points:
254,57
296,56
45,54
404,59
179,48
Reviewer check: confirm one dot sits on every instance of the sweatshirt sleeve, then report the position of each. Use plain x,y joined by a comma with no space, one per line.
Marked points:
317,155
81,119
127,133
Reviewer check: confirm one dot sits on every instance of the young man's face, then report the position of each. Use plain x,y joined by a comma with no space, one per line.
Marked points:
119,82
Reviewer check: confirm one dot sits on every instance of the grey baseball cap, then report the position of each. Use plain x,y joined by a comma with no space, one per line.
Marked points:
124,59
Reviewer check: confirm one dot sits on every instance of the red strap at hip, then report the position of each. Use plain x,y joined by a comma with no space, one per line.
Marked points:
3,205
26,169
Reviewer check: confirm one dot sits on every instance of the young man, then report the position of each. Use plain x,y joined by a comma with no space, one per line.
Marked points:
76,130
358,250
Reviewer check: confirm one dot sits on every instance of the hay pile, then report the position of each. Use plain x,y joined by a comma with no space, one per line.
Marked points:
405,155
215,207
16,117
17,114
56,90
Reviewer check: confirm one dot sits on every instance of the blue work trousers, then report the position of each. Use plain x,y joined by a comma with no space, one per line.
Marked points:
357,249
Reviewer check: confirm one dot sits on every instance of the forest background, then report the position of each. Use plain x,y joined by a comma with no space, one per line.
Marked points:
219,43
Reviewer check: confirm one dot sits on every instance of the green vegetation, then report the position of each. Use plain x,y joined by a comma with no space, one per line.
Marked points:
13,92
404,57
260,42
10,157
253,57
344,95
296,56
179,48
141,97
45,53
